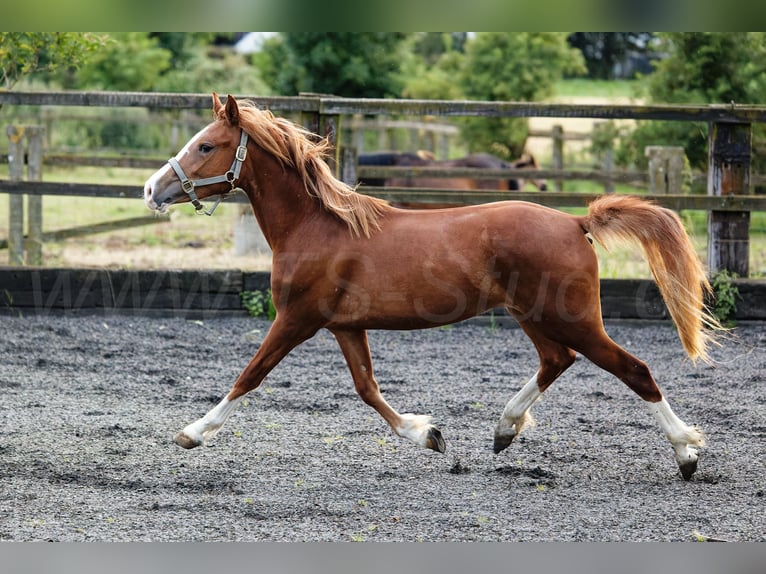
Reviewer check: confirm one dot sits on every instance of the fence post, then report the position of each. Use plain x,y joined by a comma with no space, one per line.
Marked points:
729,149
557,134
603,143
23,251
666,167
15,201
329,127
443,149
347,154
34,242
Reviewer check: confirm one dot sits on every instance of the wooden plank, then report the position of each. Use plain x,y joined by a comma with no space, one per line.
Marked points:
84,190
103,227
65,188
150,100
729,151
417,195
383,106
751,303
698,113
67,160
91,229
378,172
632,299
87,289
559,199
33,243
228,281
15,203
256,281
186,292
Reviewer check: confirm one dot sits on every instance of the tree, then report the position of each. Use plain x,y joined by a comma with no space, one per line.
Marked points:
512,66
132,62
711,67
349,64
209,68
604,50
24,53
700,67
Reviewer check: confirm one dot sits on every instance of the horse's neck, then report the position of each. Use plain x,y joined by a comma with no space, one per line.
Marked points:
279,200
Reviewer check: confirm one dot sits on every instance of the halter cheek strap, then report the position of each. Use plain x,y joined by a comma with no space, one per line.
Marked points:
230,176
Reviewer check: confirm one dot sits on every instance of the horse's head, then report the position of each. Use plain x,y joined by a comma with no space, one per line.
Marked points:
209,164
528,161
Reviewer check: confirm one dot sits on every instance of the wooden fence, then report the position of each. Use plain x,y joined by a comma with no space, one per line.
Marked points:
729,198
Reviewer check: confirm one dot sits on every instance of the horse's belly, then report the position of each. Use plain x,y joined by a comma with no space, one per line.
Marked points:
413,304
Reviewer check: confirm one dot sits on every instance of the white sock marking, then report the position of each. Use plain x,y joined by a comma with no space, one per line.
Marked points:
205,428
515,414
680,435
415,428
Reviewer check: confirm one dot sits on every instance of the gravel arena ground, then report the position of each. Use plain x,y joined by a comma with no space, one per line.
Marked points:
90,405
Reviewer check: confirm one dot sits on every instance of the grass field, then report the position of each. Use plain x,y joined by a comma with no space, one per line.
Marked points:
184,240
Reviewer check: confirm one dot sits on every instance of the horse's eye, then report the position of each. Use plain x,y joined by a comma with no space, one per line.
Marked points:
205,148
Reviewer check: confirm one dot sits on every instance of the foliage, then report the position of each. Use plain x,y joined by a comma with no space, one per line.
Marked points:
183,46
502,66
700,67
349,64
123,130
512,66
711,67
207,69
603,137
132,62
167,61
23,53
436,82
692,136
431,46
726,294
259,304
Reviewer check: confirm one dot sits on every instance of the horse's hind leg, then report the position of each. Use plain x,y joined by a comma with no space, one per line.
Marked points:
416,428
555,358
685,439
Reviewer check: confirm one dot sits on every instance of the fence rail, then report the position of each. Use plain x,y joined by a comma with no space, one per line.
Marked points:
332,105
424,196
729,198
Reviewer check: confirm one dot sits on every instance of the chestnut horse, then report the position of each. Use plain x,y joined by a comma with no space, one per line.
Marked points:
339,263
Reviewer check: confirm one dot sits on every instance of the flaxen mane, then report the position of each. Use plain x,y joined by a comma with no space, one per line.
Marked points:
299,148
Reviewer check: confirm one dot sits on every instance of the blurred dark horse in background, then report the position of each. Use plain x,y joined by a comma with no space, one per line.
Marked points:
427,159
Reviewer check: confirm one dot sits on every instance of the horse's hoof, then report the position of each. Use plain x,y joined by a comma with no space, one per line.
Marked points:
185,441
688,469
435,441
503,440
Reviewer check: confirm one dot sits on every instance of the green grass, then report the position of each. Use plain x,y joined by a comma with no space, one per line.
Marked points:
579,88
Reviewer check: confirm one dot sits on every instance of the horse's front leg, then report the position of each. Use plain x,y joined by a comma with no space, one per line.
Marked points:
416,428
279,341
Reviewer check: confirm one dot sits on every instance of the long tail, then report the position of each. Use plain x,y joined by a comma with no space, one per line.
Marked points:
677,269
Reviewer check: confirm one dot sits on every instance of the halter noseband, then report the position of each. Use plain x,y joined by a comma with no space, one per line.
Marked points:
230,176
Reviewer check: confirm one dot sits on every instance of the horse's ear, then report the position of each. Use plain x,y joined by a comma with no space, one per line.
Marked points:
232,110
217,105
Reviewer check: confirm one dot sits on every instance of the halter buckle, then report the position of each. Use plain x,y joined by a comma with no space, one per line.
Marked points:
241,153
187,185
